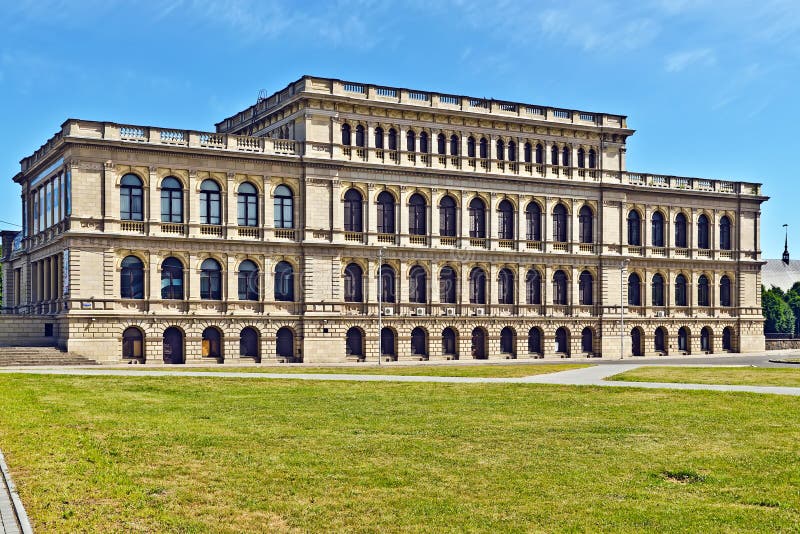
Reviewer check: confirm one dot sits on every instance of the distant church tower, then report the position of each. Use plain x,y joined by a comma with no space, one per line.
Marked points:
786,246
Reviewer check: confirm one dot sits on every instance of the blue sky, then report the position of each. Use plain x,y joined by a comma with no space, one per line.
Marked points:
711,90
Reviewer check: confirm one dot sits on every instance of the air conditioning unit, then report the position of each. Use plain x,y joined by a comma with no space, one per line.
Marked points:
388,311
419,311
450,312
480,312
659,314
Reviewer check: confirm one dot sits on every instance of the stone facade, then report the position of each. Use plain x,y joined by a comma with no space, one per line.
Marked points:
275,224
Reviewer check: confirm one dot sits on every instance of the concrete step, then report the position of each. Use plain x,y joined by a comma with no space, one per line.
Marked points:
38,356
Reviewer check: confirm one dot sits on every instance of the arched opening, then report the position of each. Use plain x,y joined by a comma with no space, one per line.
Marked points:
172,279
440,144
657,293
477,218
411,141
353,283
353,208
284,207
505,286
132,278
471,147
417,215
477,286
417,285
447,285
359,136
386,216
560,224
581,158
449,345
680,230
346,134
585,225
634,290
171,200
637,342
173,345
703,297
131,206
527,153
586,288
657,229
212,343
454,145
634,228
247,205
703,240
533,287
539,154
706,340
683,339
284,343
419,342
478,348
133,344
508,341
387,284
533,220
210,280
388,343
392,139
725,291
727,339
354,343
447,216
725,233
562,342
680,290
660,340
587,341
379,138
505,216
501,149
484,148
284,282
248,343
560,288
210,203
535,339
248,281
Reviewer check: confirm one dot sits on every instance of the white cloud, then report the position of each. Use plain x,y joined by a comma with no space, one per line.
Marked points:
680,61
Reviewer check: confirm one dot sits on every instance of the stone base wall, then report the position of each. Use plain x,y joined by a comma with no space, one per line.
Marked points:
30,330
782,344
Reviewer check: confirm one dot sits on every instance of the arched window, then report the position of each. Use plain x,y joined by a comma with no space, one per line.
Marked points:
360,136
353,217
533,287
634,290
172,279
411,141
581,158
512,151
447,285
454,145
417,285
346,134
477,286
554,155
388,283
680,230
528,153
392,139
173,346
484,148
727,338
501,150
560,224
379,137
562,341
171,200
725,233
132,278
131,207
386,217
247,205
354,344
657,227
210,280
586,288
634,228
586,225
211,343
660,340
388,342
680,291
353,283
505,286
587,340
683,339
565,156
705,339
535,341
725,291
657,290
248,343
449,347
703,297
419,342
440,145
284,282
447,216
471,147
417,215
636,342
284,207
505,216
560,288
533,222
423,142
539,154
592,158
210,203
479,343
133,344
703,240
248,281
477,218
507,341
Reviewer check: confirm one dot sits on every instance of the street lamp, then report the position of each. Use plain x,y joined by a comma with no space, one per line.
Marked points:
623,264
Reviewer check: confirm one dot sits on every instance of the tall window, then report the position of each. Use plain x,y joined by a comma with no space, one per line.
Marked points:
528,153
484,148
634,290
132,278
680,230
657,290
477,218
587,339
417,217
471,147
560,288
725,291
284,207
512,151
703,297
172,279
423,142
634,228
586,288
379,137
454,145
131,207
560,224
387,284
725,233
171,200
448,341
386,218
248,281
447,216
703,240
581,158
411,141
533,287
501,150
539,153
585,221
680,290
565,156
440,145
447,285
247,205
359,136
417,285
210,203
505,286
657,228
353,220
592,158
505,219
533,220
683,339
353,286
284,282
210,280
346,134
554,155
392,139
477,286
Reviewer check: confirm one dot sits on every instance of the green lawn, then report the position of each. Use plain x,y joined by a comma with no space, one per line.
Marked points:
188,454
748,376
488,371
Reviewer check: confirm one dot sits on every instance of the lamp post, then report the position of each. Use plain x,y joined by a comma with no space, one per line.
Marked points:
623,264
380,305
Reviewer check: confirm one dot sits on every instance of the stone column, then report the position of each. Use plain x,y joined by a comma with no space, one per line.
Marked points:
403,216
464,219
435,221
337,212
229,212
371,209
154,204
190,203
231,291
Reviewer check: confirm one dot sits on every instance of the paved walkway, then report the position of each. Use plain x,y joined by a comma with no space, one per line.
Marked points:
13,519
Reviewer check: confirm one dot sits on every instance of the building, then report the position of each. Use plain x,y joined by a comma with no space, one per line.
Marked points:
506,230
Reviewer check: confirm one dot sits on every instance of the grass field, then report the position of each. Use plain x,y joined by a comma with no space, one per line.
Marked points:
216,454
748,376
488,371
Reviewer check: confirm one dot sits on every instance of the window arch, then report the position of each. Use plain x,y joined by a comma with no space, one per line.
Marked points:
440,144
388,343
634,228
680,230
533,220
727,338
447,216
565,156
478,345
477,218
172,279
353,216
210,203
560,288
505,216
131,206
660,340
560,223
636,341
247,205
171,200
284,207
554,155
703,297
586,225
680,291
353,283
528,153
683,339
346,134
248,281
423,142
581,158
657,290
505,286
539,154
248,343
417,285
484,146
657,229
587,340
501,150
725,233
284,282
360,136
392,139
592,159
725,291
388,283
386,216
507,339
535,341
419,342
132,278
210,280
133,344
417,215
411,141
562,341
512,151
477,286
533,287
379,137
471,147
706,336
454,145
173,343
703,232
586,288
634,290
449,346
447,285
354,342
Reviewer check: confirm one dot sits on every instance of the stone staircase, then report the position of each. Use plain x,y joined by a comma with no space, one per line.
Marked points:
32,356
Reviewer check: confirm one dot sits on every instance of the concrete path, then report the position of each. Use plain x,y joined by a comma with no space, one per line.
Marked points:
13,519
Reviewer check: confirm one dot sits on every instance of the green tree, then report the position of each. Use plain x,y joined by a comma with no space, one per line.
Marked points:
778,315
792,298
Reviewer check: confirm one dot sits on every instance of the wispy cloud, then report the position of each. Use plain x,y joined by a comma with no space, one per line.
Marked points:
680,61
